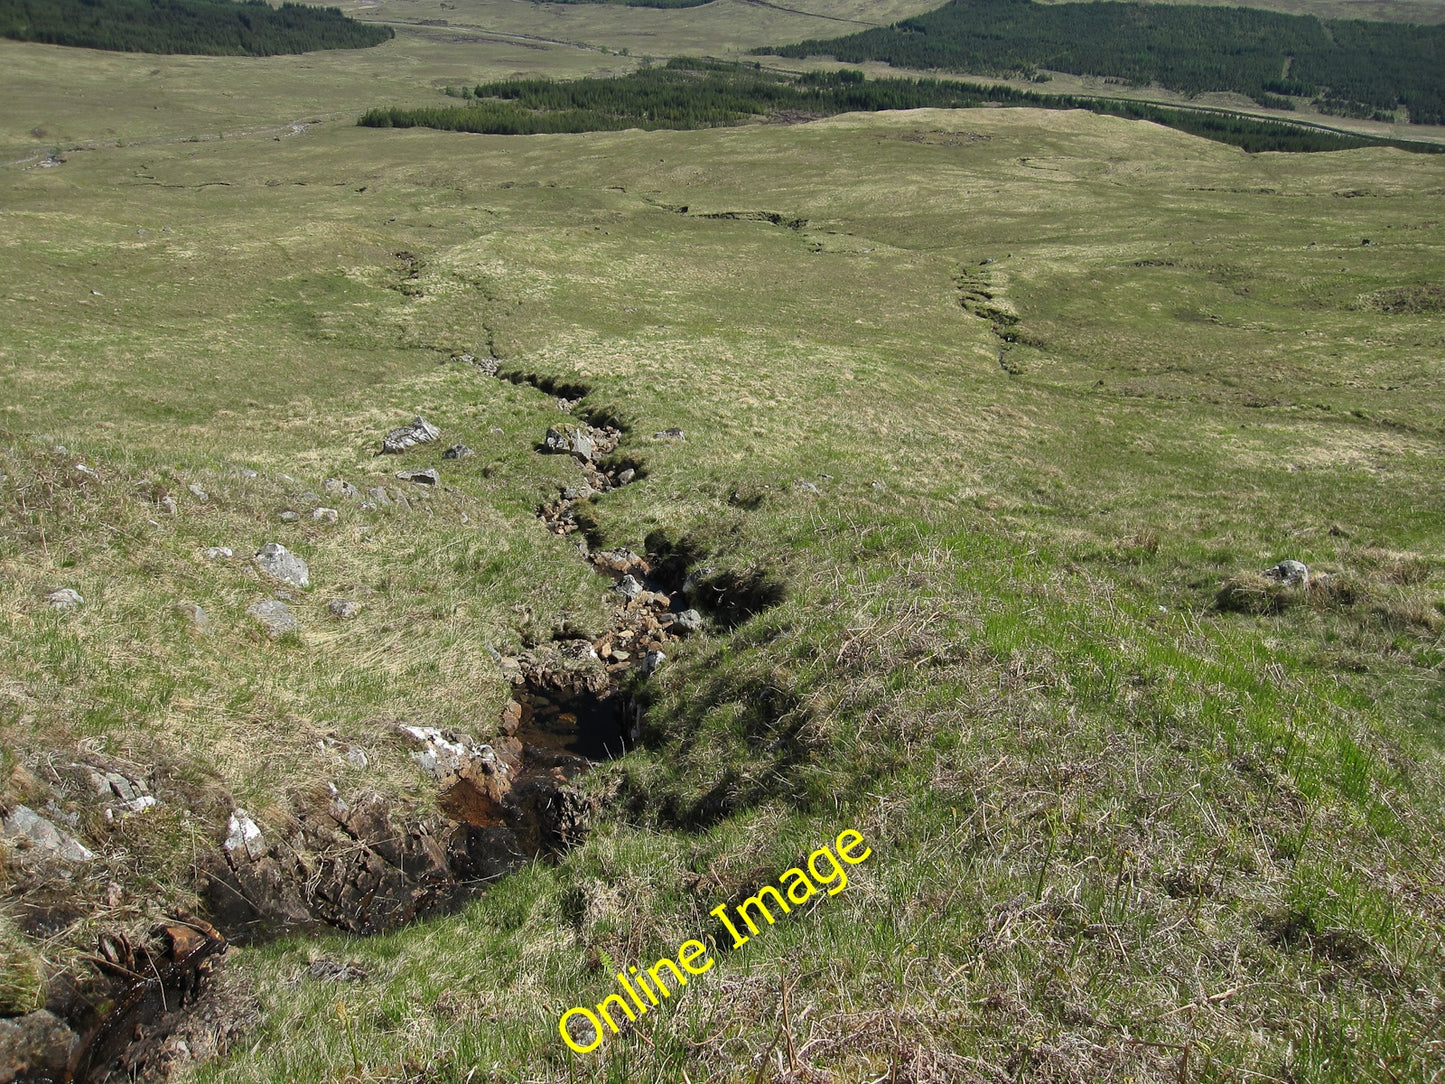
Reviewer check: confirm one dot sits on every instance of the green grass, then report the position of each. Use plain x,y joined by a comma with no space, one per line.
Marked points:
1118,833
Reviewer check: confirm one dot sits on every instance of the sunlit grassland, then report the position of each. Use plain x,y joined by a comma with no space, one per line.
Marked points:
1114,827
64,99
106,97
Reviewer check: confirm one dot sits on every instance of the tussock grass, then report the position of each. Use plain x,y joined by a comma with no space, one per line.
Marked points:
22,975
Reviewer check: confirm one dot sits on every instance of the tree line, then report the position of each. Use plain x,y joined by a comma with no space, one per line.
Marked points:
1347,65
706,93
204,27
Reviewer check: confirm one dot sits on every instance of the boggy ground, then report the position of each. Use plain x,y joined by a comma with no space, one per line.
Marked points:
971,449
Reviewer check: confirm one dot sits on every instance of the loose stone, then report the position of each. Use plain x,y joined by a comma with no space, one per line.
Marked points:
25,826
243,837
420,431
275,617
688,621
65,598
280,563
1288,573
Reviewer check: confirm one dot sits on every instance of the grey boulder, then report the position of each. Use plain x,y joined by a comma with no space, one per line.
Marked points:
1288,573
66,598
420,431
280,563
25,826
275,617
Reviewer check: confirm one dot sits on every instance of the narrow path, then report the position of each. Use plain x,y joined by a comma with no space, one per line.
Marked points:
290,128
501,36
810,14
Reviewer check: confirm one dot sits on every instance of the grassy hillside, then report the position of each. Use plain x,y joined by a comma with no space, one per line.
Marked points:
1013,397
992,419
1348,66
59,102
700,93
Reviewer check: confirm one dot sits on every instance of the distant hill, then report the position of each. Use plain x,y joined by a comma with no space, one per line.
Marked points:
1349,66
699,93
205,27
640,3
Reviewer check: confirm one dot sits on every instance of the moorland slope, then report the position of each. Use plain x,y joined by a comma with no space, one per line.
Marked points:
991,418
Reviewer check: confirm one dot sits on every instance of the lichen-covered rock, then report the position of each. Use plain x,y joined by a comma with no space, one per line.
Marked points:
275,617
280,563
343,609
420,431
1288,573
449,756
28,829
244,838
687,621
428,477
65,598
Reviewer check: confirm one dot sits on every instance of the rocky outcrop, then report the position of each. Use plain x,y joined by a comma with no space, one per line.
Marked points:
419,431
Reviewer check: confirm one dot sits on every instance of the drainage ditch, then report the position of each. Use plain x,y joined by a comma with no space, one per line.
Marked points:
366,868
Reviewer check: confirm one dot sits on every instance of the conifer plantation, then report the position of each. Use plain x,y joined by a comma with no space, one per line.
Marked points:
203,27
1349,66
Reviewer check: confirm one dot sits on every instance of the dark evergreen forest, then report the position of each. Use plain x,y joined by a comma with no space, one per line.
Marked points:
1349,66
205,27
705,93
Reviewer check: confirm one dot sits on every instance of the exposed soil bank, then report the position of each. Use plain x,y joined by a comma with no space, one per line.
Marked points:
362,863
